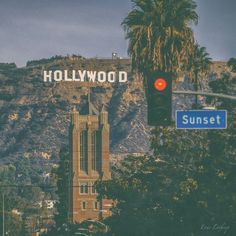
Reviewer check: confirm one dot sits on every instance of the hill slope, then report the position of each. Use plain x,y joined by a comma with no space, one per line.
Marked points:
34,115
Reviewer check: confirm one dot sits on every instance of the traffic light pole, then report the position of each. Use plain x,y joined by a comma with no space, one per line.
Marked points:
219,95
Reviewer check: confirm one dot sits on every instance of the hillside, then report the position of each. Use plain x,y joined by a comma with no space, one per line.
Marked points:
35,115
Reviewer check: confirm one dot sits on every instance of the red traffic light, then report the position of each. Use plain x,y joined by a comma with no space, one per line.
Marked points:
160,84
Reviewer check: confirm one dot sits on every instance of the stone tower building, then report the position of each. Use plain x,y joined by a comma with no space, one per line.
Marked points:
89,134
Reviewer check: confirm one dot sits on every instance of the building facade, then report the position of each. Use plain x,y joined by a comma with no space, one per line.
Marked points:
89,134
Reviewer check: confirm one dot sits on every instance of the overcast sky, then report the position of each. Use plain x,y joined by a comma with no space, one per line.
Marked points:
31,29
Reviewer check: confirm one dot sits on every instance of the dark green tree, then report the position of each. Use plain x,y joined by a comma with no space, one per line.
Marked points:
184,188
62,175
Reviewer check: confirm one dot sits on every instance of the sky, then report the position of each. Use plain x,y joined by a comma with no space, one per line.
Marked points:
31,30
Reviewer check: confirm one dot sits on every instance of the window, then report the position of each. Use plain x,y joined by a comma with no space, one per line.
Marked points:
83,206
95,151
94,191
96,205
83,151
83,188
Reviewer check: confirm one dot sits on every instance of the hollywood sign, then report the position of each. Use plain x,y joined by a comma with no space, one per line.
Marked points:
85,76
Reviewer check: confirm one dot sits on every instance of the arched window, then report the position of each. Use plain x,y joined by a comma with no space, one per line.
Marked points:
83,188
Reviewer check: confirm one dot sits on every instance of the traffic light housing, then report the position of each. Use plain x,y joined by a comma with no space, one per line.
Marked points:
159,98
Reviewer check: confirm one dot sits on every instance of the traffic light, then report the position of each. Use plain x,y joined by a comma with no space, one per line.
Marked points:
159,98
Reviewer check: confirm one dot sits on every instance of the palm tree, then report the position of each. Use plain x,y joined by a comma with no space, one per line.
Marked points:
159,34
198,64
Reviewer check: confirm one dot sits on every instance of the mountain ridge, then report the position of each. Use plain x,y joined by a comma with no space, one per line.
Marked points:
35,115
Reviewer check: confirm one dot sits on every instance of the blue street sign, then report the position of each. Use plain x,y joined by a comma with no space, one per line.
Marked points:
201,119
